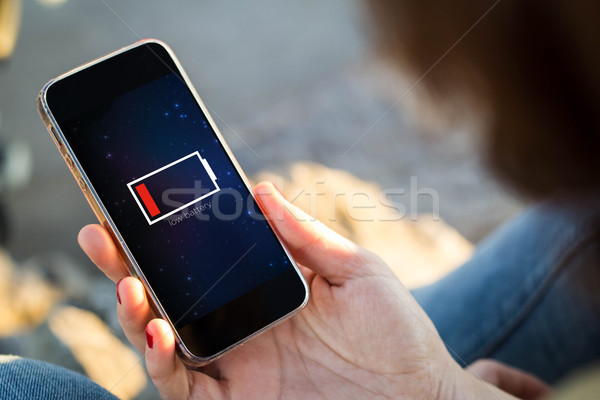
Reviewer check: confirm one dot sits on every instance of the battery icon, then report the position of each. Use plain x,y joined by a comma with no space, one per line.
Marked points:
189,178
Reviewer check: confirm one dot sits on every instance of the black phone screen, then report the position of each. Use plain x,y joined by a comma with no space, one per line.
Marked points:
175,197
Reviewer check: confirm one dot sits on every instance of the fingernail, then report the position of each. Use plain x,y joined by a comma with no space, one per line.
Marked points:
118,297
149,339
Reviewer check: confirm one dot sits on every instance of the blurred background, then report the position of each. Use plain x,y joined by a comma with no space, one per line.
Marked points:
300,97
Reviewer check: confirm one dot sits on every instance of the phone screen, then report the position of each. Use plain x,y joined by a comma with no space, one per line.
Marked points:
175,197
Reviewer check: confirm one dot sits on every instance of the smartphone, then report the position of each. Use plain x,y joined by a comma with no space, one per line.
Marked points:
160,178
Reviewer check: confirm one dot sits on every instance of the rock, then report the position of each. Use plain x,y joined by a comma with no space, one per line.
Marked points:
60,269
80,341
419,248
25,297
104,358
10,22
83,285
37,324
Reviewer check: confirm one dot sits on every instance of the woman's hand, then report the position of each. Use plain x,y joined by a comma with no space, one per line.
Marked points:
362,335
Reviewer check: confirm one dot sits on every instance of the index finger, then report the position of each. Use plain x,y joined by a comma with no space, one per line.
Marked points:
100,248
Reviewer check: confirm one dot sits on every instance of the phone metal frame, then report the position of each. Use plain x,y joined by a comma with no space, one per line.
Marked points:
190,360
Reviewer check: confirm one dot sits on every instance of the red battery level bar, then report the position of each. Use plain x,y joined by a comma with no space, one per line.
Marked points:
147,199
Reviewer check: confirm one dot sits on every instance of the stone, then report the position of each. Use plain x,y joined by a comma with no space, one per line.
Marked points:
419,248
25,297
104,358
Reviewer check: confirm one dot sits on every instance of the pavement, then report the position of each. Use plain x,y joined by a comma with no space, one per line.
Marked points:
285,81
243,57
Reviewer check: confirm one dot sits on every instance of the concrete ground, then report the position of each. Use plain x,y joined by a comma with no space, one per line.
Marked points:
244,58
285,82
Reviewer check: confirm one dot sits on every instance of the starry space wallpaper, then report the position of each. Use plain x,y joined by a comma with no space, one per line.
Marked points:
199,258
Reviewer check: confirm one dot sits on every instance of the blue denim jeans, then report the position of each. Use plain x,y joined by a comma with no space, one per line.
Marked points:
530,295
30,379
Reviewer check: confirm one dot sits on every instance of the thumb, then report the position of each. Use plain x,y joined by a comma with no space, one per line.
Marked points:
310,242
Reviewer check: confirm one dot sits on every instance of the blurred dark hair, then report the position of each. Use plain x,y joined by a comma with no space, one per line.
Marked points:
531,69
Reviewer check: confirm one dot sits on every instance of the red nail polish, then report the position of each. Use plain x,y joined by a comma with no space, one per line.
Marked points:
149,338
117,288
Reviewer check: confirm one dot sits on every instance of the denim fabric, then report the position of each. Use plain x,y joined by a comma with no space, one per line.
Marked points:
21,378
530,294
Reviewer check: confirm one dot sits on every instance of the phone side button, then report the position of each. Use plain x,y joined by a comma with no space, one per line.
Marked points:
69,161
56,138
82,184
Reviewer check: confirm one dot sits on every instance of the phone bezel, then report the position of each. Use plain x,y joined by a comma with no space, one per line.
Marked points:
190,359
